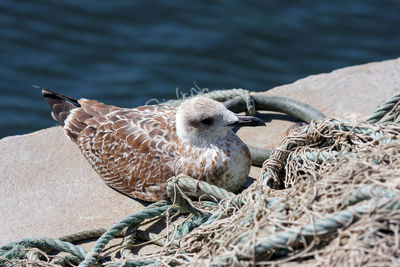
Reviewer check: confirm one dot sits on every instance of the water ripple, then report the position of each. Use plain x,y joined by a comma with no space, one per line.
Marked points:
126,52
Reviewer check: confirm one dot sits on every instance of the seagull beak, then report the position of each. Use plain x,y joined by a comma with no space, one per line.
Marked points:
247,121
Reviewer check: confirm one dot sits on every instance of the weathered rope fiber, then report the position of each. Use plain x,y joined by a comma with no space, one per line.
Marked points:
45,243
180,188
112,231
16,250
83,235
279,244
385,109
323,135
333,222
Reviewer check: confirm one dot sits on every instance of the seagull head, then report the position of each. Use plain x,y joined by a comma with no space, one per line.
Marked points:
202,121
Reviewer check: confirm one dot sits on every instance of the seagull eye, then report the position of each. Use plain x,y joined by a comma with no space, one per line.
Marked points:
207,121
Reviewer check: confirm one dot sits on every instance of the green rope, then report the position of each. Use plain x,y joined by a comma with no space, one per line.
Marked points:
180,188
148,236
285,105
174,238
42,243
84,235
189,225
16,250
13,251
384,110
65,260
136,218
367,192
239,100
259,155
131,234
196,188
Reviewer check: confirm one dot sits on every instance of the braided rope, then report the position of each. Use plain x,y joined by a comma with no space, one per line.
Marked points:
196,188
15,250
43,243
133,233
113,230
323,226
12,251
185,228
180,188
83,235
384,109
66,260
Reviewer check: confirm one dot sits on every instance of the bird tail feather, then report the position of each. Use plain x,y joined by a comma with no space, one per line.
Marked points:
60,105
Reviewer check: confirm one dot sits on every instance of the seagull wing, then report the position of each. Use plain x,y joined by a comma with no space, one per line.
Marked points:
129,148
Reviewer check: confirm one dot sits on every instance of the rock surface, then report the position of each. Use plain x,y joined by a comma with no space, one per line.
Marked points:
48,189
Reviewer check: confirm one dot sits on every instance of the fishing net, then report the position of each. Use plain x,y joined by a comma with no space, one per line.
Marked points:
328,195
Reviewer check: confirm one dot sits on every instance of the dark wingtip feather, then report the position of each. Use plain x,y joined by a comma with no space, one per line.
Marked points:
51,94
60,105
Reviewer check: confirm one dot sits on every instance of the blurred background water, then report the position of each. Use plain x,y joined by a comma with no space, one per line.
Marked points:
127,52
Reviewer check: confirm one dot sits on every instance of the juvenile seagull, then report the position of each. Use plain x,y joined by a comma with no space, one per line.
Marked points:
137,150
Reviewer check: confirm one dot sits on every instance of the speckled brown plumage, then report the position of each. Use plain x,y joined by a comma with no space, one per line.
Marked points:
137,150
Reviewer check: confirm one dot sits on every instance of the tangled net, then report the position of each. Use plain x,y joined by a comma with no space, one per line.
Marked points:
328,195
339,206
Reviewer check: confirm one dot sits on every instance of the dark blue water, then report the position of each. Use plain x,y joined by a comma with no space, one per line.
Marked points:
126,52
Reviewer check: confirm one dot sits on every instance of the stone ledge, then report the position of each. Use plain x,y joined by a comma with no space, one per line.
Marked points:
49,189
